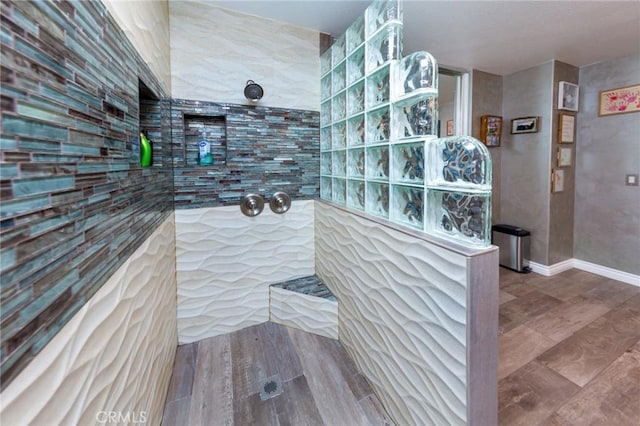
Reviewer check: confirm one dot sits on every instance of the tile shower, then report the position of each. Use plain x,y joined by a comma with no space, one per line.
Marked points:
98,149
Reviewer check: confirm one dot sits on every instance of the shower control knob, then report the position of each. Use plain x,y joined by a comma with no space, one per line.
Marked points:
252,205
280,202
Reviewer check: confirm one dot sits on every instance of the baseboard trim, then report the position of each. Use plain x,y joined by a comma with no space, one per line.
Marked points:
603,271
553,269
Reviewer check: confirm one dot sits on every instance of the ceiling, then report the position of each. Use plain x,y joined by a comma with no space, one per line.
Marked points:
499,37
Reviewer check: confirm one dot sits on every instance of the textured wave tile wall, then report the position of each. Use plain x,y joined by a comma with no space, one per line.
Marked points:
115,354
225,262
214,52
402,314
146,24
307,313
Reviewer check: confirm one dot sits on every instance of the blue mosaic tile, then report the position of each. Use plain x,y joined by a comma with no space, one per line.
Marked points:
72,92
7,258
311,286
25,127
28,187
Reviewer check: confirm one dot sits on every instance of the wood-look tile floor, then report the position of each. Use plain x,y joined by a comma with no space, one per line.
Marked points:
569,350
310,381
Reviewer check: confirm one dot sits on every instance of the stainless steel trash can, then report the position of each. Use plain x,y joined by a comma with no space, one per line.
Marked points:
513,242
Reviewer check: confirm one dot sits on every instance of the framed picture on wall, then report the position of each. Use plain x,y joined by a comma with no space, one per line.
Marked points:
566,128
490,130
449,127
557,180
525,125
619,101
568,96
564,157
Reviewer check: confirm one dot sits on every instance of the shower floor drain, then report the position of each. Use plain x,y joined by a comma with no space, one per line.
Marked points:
270,387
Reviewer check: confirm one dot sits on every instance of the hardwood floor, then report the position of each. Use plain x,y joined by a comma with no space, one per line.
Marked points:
569,350
269,375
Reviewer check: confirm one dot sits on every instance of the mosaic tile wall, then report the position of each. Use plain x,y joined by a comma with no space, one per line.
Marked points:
255,149
75,202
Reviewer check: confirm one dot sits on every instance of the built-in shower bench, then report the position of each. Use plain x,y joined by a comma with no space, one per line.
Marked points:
306,304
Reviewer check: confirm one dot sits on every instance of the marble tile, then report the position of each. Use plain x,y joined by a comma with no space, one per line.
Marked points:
519,346
562,321
524,308
532,394
611,397
587,352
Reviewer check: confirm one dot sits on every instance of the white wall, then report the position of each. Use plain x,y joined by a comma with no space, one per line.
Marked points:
116,354
226,262
214,52
146,24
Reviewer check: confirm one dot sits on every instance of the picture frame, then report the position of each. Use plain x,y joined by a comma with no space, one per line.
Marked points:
568,94
449,127
619,101
566,128
525,125
490,130
565,157
557,180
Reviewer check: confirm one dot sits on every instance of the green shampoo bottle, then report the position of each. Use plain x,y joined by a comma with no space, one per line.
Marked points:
145,151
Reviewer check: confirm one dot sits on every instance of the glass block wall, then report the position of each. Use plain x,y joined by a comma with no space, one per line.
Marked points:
378,136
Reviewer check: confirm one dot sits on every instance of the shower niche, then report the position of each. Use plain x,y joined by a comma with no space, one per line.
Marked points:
210,128
378,136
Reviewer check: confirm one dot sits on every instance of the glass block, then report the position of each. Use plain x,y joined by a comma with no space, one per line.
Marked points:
325,138
377,163
325,163
355,34
407,206
381,12
339,191
325,113
378,126
338,135
338,163
338,78
339,104
377,199
355,163
355,66
325,87
325,62
408,163
337,50
459,216
417,73
355,194
459,161
416,116
384,47
325,188
355,98
378,88
355,130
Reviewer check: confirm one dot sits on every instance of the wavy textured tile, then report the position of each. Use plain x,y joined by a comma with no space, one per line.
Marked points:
402,314
115,354
282,58
307,313
146,24
226,261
